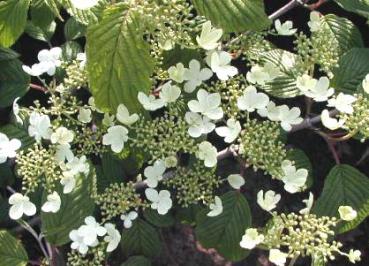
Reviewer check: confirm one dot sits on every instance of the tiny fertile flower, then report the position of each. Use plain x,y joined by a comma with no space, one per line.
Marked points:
195,76
77,242
112,237
39,126
84,4
161,201
252,100
219,63
209,37
154,173
169,93
354,255
329,122
309,204
231,131
277,257
150,103
236,181
251,239
116,137
289,117
129,218
207,153
268,201
365,84
62,136
199,125
343,103
177,72
20,205
84,115
284,29
90,231
124,117
294,180
314,23
347,213
16,111
52,204
207,104
8,147
216,208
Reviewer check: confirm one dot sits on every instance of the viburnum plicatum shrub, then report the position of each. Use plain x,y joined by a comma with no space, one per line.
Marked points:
146,104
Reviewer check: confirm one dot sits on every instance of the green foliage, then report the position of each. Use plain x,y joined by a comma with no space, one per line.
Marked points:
11,251
73,29
110,171
158,220
38,33
18,132
224,232
85,17
360,7
137,261
41,13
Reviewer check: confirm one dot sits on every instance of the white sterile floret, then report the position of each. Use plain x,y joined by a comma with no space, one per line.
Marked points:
277,257
77,242
8,148
195,76
77,165
329,122
207,104
50,59
271,111
68,181
236,181
154,173
257,75
198,124
284,29
161,201
208,153
177,72
347,213
251,238
231,131
20,205
129,218
150,103
354,255
216,208
268,201
252,100
365,84
219,62
116,137
305,83
315,22
39,126
62,136
209,36
63,152
166,45
169,93
82,59
84,115
124,117
343,103
289,117
309,204
35,70
91,103
108,120
52,204
321,91
84,4
90,231
18,119
294,180
112,237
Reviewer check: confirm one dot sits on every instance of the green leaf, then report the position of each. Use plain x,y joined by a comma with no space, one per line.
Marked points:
352,69
75,207
85,17
11,251
234,15
42,14
13,17
180,55
158,220
7,176
224,232
70,50
119,62
360,7
7,54
18,132
110,171
301,161
344,186
41,34
73,29
137,261
4,209
141,239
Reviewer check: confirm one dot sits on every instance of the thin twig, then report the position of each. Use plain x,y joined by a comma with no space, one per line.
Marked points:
317,4
37,87
284,9
309,122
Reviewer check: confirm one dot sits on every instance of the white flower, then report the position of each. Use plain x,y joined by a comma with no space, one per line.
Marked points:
219,63
343,103
78,165
20,205
331,123
68,182
252,100
231,131
194,76
216,207
321,91
199,125
84,4
171,161
63,152
50,59
268,201
150,103
271,111
169,93
116,137
52,204
166,45
209,37
314,23
309,204
16,111
207,104
305,83
207,153
84,115
62,136
82,58
108,120
128,218
35,70
154,173
8,147
160,201
277,257
39,126
236,181
124,117
112,237
365,84
347,213
289,117
284,29
257,75
177,72
90,231
294,180
251,239
77,242
354,255
91,103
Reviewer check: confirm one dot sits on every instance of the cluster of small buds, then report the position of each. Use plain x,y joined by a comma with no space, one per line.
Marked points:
358,121
261,147
37,165
118,199
89,141
193,185
305,58
58,106
163,137
76,75
96,256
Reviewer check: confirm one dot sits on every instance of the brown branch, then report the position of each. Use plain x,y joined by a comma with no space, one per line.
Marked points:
37,87
284,9
317,4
